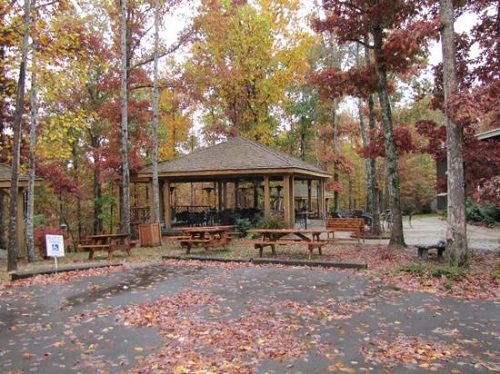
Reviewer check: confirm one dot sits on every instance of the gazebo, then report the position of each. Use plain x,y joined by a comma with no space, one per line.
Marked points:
232,164
5,183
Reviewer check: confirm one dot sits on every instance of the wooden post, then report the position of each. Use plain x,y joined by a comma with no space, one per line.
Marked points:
321,199
219,196
288,203
225,195
21,243
236,192
309,197
167,207
292,201
267,197
162,202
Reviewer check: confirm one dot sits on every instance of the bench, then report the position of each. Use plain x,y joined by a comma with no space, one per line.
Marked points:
109,243
310,245
96,247
424,248
354,225
206,243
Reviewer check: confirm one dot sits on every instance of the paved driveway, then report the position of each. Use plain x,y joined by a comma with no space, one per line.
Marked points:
182,317
432,229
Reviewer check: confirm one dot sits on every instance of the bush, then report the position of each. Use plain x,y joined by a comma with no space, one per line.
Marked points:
272,222
489,214
451,272
242,225
413,268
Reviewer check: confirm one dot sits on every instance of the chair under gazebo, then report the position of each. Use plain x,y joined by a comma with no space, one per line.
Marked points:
239,175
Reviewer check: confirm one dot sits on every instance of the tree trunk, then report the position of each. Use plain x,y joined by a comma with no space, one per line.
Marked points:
97,225
456,234
391,154
156,100
31,159
371,163
3,243
76,165
125,179
12,248
336,153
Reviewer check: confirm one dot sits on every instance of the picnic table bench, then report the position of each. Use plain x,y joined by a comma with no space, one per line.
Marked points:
106,242
354,225
205,236
272,237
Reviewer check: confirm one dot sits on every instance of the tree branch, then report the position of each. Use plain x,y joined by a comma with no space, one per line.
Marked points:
185,36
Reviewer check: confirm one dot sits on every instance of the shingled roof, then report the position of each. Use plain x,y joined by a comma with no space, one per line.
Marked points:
237,155
5,173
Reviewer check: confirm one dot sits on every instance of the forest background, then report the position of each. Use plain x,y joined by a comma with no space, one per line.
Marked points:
294,79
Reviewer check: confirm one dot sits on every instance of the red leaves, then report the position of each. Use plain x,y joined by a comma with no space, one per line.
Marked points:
403,139
334,83
411,350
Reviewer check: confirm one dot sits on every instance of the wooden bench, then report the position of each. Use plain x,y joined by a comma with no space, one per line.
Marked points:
424,248
206,243
106,242
272,244
96,247
354,225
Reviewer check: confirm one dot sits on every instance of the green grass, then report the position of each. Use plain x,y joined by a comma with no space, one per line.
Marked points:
433,270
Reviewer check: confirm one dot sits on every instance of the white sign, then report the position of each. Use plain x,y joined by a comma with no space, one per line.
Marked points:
55,245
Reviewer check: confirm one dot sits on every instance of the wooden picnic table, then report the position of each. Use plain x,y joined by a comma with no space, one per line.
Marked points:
272,237
107,242
205,236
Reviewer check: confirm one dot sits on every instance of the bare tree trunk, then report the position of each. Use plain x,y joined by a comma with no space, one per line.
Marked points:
335,124
456,234
97,225
371,163
392,158
3,243
31,159
125,180
76,165
12,248
156,100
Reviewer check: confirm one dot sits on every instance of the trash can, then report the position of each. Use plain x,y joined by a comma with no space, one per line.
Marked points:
150,235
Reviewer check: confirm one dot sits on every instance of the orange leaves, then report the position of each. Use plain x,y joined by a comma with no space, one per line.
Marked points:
411,350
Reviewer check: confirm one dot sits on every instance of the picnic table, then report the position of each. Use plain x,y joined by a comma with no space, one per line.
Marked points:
272,237
205,236
106,242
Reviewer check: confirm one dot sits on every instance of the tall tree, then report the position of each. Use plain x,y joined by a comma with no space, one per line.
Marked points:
398,32
156,102
456,235
125,176
18,116
244,58
31,157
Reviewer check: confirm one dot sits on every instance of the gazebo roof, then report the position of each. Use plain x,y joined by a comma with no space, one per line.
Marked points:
5,177
237,157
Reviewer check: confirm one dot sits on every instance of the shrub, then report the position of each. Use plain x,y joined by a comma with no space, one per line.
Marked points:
242,225
451,272
488,213
413,268
272,222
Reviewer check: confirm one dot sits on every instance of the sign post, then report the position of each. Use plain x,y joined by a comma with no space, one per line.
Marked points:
54,246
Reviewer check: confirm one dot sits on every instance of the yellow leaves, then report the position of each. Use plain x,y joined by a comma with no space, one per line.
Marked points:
59,131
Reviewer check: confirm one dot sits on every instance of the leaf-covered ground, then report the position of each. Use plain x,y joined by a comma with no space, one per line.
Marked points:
194,317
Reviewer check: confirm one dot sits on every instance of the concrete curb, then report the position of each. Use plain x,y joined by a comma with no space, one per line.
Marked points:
204,258
270,261
60,269
340,265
